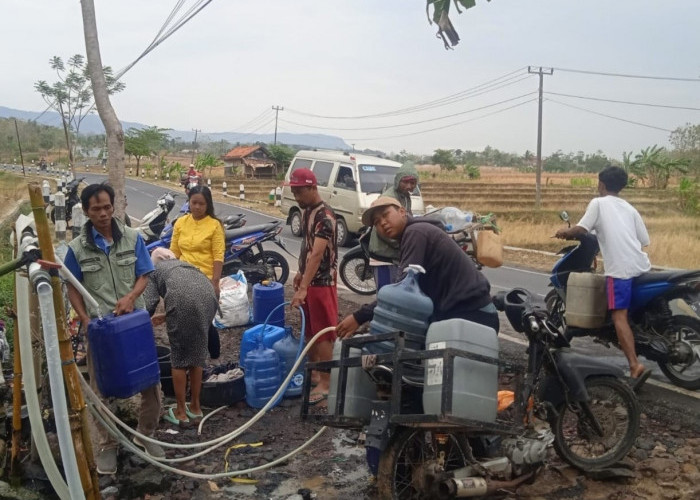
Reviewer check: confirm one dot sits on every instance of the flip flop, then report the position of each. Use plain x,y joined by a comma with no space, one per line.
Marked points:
190,414
169,416
638,382
316,397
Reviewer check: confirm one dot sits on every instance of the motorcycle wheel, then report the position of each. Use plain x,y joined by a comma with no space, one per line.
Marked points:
555,308
353,269
616,409
278,268
686,333
402,465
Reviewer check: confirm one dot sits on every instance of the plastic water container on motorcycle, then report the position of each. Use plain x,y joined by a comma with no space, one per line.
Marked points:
454,219
359,388
401,307
263,376
267,296
249,341
287,349
123,353
475,383
586,300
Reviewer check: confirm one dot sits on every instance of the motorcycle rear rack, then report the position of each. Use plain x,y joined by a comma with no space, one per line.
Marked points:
445,419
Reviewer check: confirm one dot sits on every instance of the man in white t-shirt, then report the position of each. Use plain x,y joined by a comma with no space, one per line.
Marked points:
621,234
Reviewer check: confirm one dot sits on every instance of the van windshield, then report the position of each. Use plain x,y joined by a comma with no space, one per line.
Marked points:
376,178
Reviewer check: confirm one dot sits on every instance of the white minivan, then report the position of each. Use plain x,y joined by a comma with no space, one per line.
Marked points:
349,183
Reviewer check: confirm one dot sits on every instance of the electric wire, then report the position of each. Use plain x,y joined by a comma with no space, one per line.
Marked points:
250,122
413,123
444,126
610,116
669,106
419,107
624,75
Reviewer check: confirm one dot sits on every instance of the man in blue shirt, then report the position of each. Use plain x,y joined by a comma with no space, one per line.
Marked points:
111,261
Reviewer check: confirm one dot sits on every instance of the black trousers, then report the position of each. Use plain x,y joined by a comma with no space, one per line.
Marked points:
213,342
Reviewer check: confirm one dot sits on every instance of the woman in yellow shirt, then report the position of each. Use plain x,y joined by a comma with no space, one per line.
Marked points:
198,239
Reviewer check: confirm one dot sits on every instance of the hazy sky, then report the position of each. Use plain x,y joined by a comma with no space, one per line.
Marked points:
225,69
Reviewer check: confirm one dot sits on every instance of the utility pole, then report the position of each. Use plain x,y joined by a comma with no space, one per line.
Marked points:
538,182
194,144
19,143
277,110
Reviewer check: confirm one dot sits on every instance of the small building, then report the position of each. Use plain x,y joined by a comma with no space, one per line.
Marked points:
251,161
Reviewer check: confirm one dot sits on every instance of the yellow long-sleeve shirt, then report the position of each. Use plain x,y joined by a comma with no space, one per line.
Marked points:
199,242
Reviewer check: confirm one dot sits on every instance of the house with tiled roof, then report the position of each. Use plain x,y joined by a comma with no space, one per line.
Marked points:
251,161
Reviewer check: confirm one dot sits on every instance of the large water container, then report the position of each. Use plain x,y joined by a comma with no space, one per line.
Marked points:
454,219
475,384
359,388
586,300
287,349
267,296
404,307
123,352
263,376
249,341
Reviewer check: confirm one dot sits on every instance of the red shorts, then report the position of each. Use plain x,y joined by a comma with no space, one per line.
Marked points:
321,310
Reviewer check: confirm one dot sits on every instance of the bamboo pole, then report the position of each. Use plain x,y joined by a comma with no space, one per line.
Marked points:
79,425
15,467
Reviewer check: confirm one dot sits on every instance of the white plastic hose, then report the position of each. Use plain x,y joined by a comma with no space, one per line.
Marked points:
214,443
33,406
78,285
58,394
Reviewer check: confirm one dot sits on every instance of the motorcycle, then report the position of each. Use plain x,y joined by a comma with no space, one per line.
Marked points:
244,252
72,199
166,235
154,222
671,340
593,416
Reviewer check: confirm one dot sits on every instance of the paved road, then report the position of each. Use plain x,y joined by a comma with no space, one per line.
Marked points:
142,196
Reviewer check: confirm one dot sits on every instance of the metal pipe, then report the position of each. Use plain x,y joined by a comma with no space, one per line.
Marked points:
478,486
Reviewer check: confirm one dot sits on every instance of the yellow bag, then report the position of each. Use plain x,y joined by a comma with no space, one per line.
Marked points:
489,249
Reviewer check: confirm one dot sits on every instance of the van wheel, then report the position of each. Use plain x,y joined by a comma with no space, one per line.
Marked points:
341,232
295,223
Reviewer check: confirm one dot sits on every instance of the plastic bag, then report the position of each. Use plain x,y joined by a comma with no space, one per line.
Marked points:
233,302
489,248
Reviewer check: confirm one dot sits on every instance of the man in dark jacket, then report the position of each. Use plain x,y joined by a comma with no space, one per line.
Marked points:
451,280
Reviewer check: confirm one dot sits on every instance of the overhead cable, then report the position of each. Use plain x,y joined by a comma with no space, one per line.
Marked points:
669,106
412,123
610,116
623,75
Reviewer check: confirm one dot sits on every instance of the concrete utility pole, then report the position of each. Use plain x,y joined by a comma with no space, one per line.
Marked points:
538,182
194,144
277,111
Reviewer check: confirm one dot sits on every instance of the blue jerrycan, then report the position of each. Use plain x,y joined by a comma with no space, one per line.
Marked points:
263,375
249,342
403,307
287,348
123,352
266,297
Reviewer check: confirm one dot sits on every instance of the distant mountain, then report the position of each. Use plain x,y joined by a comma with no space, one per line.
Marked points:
93,125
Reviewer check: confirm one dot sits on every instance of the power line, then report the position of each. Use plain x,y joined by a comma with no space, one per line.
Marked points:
444,126
254,120
418,107
412,123
669,106
610,116
623,75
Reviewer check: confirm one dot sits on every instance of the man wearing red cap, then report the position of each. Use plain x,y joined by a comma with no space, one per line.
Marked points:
315,282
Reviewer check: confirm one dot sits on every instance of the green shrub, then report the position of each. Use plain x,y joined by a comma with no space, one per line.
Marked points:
689,196
581,182
472,171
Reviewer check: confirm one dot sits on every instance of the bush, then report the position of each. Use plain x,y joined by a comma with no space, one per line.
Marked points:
689,195
581,182
472,171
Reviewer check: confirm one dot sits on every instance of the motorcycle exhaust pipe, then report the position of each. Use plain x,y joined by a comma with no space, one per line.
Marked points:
478,486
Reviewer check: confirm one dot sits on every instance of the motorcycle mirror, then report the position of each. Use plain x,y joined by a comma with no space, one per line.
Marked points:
564,215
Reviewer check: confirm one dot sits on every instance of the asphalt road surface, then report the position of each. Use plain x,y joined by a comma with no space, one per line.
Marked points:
142,196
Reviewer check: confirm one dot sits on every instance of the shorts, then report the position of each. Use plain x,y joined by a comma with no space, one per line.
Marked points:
321,311
619,292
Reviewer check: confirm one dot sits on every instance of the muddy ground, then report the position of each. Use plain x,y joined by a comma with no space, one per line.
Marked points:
664,462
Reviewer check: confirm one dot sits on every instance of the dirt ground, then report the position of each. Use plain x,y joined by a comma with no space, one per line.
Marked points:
664,461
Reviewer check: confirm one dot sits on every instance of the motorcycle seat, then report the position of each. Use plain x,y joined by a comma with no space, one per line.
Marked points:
242,231
669,276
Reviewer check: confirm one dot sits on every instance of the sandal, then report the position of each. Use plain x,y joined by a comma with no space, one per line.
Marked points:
169,416
190,414
316,397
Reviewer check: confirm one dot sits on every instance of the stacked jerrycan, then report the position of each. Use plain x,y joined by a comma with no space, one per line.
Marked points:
287,348
403,307
267,296
263,375
249,342
360,390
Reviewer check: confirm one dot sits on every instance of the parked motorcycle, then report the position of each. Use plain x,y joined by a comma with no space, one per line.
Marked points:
166,235
593,415
672,341
244,252
72,199
154,222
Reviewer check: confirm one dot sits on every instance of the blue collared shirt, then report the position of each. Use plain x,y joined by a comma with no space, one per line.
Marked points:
143,264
